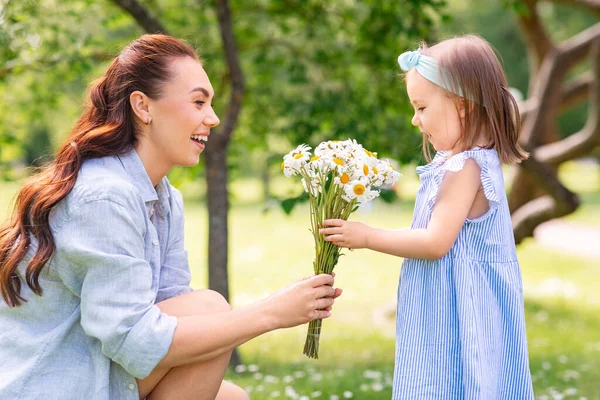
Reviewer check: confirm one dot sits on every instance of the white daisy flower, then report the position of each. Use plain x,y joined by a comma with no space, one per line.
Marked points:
295,159
389,173
342,180
360,190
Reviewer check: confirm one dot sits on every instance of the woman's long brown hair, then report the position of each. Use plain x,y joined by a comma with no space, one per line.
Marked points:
106,128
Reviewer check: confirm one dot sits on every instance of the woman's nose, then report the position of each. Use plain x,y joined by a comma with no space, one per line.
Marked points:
211,120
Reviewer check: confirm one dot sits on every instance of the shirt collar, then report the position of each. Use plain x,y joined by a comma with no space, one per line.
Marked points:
139,177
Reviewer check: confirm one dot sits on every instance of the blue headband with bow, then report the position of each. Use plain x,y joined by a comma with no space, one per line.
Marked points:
428,68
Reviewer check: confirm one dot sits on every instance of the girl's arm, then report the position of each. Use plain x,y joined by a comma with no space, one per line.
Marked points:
206,336
453,203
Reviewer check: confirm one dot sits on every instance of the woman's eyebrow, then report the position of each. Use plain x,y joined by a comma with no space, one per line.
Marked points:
201,89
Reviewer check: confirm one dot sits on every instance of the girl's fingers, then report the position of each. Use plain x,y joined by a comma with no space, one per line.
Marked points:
334,238
330,231
333,222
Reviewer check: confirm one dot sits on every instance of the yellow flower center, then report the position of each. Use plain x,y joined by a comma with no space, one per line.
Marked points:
359,189
375,171
282,165
314,158
392,167
338,161
366,169
344,178
298,156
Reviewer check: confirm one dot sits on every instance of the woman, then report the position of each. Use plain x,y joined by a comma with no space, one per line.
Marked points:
100,232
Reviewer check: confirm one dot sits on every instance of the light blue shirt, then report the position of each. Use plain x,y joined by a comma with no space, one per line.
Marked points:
119,251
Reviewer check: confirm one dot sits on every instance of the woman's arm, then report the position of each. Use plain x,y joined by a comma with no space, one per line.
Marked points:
205,336
453,203
100,258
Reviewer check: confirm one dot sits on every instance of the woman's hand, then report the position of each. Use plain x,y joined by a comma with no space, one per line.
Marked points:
302,301
346,234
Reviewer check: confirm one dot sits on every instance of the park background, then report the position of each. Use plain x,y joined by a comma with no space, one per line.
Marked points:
287,72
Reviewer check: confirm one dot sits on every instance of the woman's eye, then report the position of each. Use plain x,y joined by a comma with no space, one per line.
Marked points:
199,102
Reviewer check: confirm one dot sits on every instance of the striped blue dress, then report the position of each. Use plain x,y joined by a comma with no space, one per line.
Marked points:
460,330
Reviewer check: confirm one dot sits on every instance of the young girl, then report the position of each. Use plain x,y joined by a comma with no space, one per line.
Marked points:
94,276
460,318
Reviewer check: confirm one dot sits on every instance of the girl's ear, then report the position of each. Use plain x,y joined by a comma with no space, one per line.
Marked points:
462,107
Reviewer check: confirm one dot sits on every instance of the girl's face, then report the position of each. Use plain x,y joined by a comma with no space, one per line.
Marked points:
181,118
436,115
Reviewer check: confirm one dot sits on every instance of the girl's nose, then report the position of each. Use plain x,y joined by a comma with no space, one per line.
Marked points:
415,121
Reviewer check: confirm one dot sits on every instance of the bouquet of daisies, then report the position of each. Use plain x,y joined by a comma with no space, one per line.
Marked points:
339,177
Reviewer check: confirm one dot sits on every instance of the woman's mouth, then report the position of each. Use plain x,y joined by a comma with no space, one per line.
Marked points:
199,141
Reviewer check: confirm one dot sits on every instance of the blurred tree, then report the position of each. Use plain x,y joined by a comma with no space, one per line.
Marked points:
516,28
550,93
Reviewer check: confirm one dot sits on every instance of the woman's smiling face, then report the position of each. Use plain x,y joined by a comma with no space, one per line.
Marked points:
183,115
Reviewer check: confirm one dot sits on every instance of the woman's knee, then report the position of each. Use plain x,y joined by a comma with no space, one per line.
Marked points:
212,301
231,391
193,303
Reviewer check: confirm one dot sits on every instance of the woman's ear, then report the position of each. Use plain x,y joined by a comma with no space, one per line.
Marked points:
139,104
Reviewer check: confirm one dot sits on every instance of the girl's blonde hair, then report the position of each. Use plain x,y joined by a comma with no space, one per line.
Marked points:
469,65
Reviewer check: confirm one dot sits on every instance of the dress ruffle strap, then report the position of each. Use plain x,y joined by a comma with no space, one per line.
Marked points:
488,163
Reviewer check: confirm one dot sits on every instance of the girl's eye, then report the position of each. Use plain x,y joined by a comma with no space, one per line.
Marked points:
421,108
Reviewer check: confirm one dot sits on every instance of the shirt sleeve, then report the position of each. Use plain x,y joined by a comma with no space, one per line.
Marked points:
100,252
175,273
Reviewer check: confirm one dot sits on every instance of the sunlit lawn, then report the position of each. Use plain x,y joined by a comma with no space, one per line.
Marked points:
269,250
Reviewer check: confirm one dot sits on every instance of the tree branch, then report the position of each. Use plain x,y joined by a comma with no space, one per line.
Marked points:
235,73
560,201
575,49
141,16
588,138
546,98
538,41
589,5
571,94
546,92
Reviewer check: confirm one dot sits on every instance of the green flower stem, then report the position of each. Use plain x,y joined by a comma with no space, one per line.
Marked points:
326,203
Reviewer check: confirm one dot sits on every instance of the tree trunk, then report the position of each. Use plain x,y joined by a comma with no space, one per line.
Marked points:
218,207
216,163
218,232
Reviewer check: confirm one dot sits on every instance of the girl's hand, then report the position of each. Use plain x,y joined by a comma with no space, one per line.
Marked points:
302,301
346,234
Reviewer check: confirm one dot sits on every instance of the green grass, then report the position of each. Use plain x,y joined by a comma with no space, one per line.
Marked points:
268,250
